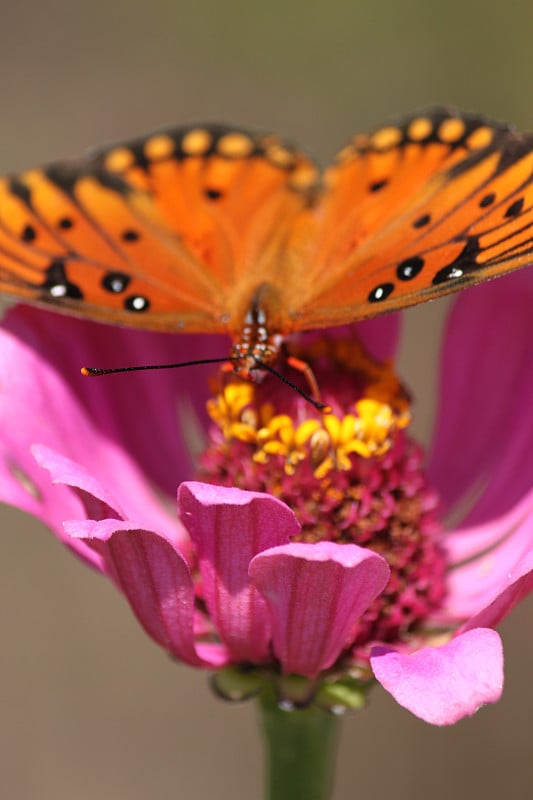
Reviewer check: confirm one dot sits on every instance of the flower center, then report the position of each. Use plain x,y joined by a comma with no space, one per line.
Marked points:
353,475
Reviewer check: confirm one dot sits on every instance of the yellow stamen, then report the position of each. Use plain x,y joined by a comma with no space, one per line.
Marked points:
227,410
328,441
280,437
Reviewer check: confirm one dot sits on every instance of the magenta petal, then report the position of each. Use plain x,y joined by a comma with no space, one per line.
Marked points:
381,335
441,685
140,410
503,604
156,581
466,543
40,405
97,501
229,527
315,594
483,440
485,589
31,393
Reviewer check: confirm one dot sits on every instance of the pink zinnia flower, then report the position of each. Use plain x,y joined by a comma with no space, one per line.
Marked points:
358,580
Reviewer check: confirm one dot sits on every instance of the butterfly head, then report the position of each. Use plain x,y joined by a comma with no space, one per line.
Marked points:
250,359
257,343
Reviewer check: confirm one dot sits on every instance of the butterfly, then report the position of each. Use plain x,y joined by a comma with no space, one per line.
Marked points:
209,228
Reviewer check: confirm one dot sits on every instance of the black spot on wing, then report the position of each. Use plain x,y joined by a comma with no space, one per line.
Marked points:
488,200
213,194
514,147
462,266
20,190
116,282
28,234
410,268
380,293
56,284
515,208
65,175
130,235
422,221
137,303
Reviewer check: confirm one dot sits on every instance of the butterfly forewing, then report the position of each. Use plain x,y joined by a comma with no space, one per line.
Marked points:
443,201
165,232
229,197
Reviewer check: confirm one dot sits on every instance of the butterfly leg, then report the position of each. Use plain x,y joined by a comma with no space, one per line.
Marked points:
307,372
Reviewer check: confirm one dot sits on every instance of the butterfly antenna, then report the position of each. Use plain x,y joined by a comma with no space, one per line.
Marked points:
95,371
318,404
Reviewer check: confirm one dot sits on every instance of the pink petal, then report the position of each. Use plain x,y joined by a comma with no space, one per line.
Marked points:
99,503
441,685
38,406
29,391
229,527
467,543
138,410
156,582
381,335
483,590
484,442
96,500
315,594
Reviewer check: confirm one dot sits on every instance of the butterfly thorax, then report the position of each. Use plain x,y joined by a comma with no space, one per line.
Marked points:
258,342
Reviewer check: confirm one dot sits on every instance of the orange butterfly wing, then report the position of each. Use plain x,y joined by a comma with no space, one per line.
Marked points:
180,230
417,210
157,233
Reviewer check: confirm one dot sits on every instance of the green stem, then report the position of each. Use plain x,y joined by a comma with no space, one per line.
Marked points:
300,748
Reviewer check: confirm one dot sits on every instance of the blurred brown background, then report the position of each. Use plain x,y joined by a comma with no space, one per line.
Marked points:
89,707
